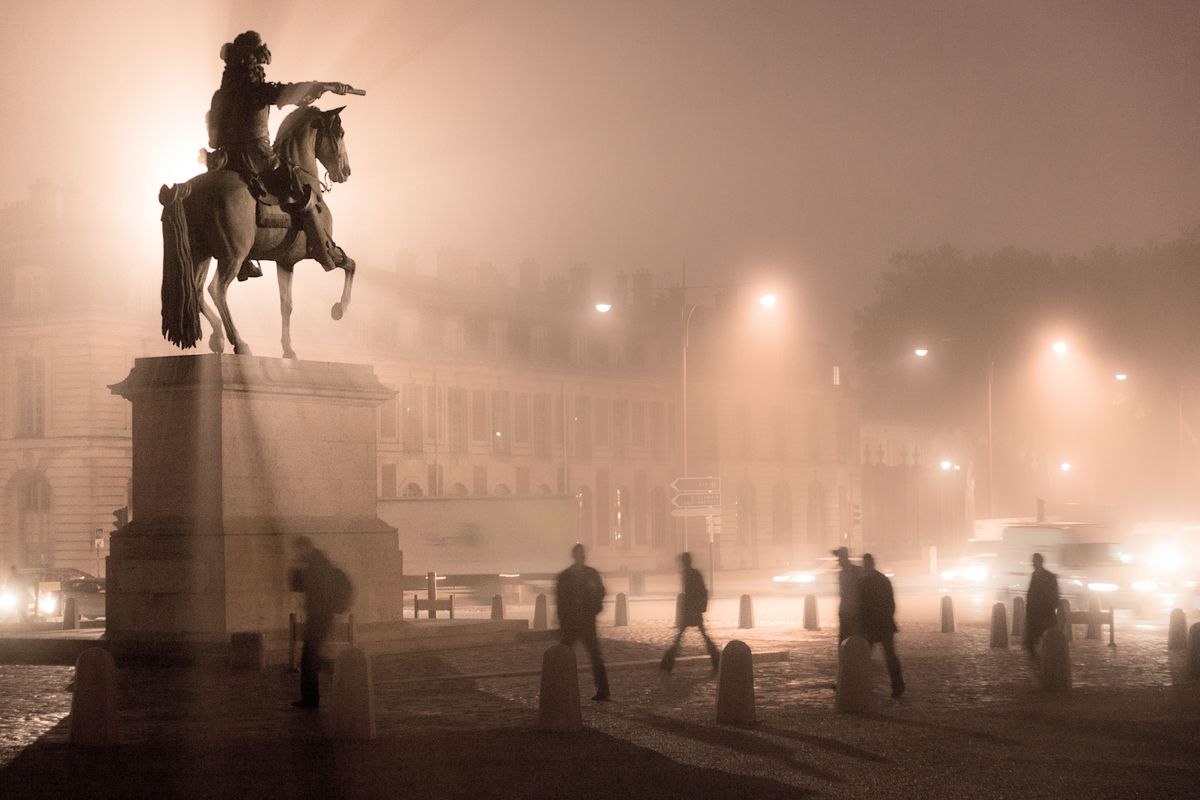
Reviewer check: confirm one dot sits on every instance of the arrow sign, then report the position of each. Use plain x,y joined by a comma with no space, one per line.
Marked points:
697,500
683,485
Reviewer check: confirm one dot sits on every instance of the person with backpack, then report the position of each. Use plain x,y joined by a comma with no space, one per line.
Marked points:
579,592
691,614
327,591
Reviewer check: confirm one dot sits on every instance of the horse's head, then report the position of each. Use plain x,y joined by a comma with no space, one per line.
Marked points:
331,144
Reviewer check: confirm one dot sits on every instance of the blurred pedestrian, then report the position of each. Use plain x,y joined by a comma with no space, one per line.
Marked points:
1041,604
316,577
695,603
877,617
848,591
579,592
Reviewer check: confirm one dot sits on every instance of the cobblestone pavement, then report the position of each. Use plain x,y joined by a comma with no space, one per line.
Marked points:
971,725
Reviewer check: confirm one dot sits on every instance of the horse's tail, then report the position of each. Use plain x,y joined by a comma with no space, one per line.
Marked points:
180,285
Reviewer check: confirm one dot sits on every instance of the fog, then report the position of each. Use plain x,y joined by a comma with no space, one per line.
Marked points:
739,138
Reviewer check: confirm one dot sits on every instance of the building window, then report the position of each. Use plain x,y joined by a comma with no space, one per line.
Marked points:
583,508
411,490
781,514
433,414
639,423
837,376
620,424
602,421
479,421
31,397
433,478
501,427
456,407
621,517
583,427
522,480
477,334
557,422
541,425
518,339
603,503
479,478
414,436
35,544
656,430
637,508
521,419
658,518
745,514
387,481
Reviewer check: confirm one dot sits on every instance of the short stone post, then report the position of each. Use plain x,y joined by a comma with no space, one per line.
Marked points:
854,690
497,607
735,685
679,610
94,701
1054,665
811,622
539,613
353,704
1000,625
621,615
1093,628
947,614
558,700
746,612
1192,671
1177,631
71,614
1064,619
1018,620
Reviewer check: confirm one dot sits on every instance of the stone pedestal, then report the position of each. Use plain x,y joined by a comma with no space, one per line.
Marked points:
234,457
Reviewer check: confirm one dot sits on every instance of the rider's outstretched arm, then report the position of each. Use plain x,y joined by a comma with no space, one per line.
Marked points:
297,94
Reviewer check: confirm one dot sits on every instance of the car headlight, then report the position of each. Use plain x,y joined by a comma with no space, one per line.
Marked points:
804,577
47,604
1102,587
948,575
977,574
780,579
8,601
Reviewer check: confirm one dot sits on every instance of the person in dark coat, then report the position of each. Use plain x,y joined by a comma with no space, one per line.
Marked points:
694,604
313,575
877,617
848,591
579,592
1041,604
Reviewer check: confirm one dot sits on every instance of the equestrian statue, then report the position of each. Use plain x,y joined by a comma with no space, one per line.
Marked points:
255,202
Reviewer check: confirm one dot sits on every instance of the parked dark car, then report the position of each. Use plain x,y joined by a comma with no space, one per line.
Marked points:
89,595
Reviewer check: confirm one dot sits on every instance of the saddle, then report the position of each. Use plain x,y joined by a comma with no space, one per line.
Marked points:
269,208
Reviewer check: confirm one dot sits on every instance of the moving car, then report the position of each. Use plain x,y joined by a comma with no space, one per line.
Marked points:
17,602
819,577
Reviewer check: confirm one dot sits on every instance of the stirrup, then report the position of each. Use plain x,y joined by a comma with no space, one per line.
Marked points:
250,269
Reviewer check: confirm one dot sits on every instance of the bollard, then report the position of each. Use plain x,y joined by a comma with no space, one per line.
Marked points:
735,685
1177,632
811,622
854,691
1093,628
679,610
1018,620
746,612
497,607
1192,672
292,635
622,611
71,614
1000,625
352,709
1054,664
947,614
539,613
637,584
558,699
94,701
1064,619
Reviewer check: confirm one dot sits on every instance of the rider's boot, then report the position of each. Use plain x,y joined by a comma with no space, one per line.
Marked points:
250,269
320,245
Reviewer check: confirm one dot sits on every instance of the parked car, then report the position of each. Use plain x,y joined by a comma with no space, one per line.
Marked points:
18,604
89,595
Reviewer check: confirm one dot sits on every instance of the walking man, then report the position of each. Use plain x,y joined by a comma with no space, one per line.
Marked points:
313,575
579,593
848,590
877,617
694,604
1041,603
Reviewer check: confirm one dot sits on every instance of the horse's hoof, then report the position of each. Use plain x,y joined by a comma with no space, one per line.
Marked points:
336,312
289,353
216,345
242,349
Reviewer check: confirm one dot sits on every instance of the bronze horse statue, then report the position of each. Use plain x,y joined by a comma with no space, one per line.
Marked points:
214,215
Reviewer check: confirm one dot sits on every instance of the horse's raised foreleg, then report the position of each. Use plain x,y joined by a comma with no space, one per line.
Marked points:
218,288
216,340
339,308
283,273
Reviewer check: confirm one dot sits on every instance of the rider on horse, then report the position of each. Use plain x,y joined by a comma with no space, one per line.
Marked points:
237,132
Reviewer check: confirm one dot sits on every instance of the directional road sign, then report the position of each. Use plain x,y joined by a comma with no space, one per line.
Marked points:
684,485
698,500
